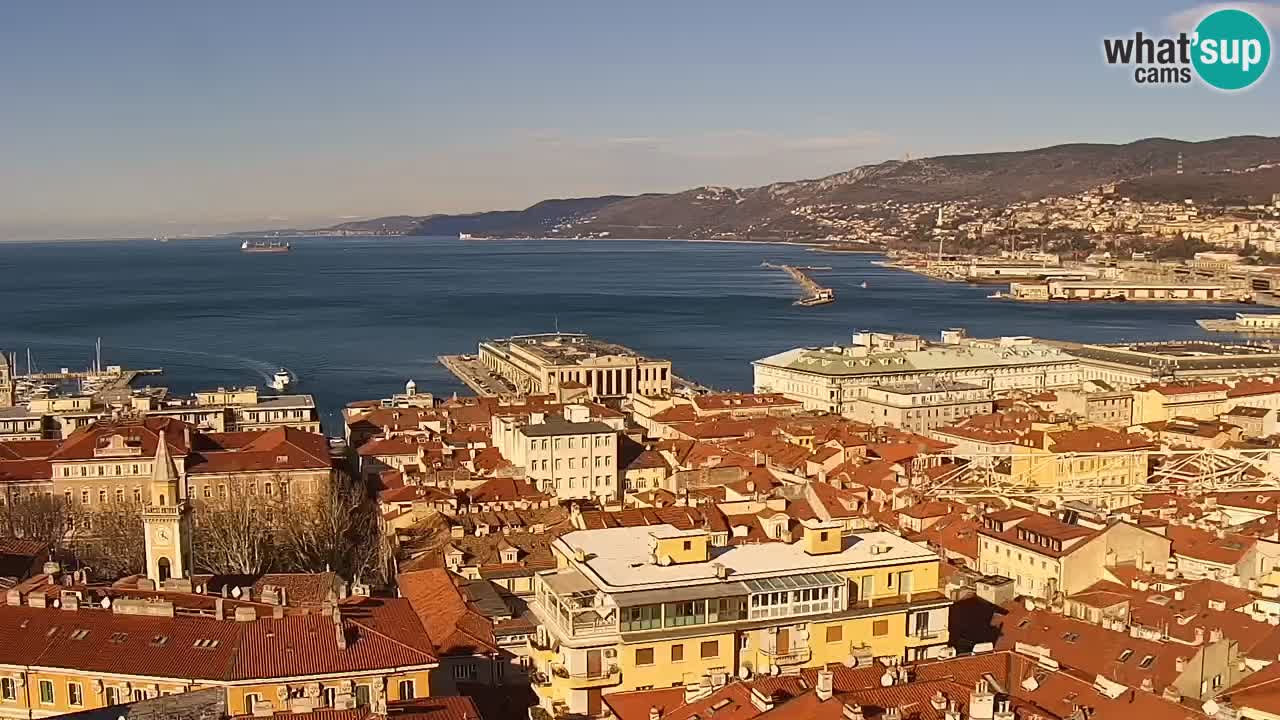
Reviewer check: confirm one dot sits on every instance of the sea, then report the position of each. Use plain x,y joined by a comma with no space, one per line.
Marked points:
355,318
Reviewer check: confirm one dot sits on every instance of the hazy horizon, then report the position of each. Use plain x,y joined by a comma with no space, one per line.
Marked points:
153,119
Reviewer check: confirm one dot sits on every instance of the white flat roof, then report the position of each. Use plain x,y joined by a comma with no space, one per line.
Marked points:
619,559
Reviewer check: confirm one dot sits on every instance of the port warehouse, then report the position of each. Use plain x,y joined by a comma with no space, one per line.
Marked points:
1108,289
836,378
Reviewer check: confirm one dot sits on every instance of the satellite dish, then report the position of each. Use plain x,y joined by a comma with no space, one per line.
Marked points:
235,592
106,603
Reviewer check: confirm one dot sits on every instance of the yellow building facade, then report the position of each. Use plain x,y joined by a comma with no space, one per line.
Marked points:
651,607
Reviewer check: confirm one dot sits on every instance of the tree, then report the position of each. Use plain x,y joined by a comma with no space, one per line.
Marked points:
230,534
113,544
339,529
44,518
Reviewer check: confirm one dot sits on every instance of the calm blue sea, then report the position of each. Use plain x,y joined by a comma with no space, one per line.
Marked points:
356,318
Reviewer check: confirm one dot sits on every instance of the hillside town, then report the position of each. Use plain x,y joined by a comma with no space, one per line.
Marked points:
900,527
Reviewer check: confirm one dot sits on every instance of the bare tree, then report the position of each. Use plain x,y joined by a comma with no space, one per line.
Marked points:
231,532
44,518
112,542
338,528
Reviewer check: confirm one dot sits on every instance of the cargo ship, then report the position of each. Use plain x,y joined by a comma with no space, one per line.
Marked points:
1244,323
261,246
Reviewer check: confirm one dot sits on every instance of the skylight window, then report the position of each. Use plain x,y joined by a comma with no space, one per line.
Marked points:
1125,655
1146,662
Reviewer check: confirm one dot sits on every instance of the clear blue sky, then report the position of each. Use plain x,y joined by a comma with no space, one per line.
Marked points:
167,117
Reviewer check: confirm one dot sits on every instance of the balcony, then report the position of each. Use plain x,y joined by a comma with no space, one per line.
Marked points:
927,635
610,675
793,656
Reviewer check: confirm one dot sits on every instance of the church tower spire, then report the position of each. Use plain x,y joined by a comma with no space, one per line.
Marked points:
163,518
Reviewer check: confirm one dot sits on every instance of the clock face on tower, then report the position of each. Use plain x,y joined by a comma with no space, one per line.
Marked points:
162,535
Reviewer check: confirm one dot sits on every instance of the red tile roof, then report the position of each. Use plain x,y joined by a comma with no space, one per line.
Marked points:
454,626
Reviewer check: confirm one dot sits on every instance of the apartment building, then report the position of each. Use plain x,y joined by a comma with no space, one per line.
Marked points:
116,461
1090,462
1165,401
567,455
236,410
1045,556
921,406
74,648
654,606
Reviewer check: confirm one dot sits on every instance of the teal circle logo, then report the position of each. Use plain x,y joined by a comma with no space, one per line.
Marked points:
1232,49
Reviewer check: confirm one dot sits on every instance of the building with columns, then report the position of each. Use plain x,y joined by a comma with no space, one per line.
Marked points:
570,365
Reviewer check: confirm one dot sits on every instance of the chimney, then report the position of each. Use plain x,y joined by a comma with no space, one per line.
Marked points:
982,702
938,701
1004,711
1180,664
245,613
824,687
339,634
952,713
654,712
217,609
852,711
1179,594
892,713
759,700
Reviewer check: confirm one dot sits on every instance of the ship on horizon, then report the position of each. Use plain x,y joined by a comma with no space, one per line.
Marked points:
262,246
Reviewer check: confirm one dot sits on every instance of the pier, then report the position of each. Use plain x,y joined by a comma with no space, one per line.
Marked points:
815,294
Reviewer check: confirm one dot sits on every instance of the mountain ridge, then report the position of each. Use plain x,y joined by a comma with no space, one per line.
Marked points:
770,210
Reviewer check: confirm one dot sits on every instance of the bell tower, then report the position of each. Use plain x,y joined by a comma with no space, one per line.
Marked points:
164,521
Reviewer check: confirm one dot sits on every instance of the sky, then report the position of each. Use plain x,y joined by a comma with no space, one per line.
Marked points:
134,118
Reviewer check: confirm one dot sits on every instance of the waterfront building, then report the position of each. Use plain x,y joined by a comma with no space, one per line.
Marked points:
562,364
1110,289
655,606
921,406
833,379
1127,364
568,455
235,410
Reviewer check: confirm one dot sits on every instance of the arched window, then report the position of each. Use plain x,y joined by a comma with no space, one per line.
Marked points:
163,566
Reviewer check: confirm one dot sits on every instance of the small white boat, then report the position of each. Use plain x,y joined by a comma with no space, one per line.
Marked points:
864,285
995,295
281,380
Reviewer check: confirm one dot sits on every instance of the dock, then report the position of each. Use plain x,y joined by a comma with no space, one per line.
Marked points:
814,293
476,376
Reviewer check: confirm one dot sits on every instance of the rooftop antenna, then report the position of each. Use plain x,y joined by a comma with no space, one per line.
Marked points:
557,324
97,355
